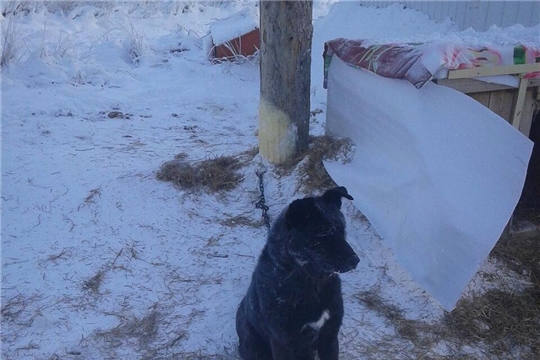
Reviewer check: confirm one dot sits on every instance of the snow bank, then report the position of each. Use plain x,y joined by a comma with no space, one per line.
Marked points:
234,26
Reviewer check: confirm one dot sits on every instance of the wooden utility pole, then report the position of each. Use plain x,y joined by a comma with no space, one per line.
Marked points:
285,60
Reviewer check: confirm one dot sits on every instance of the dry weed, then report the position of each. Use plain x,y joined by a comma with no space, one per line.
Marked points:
219,174
521,254
420,333
531,215
14,307
505,320
373,301
502,319
10,38
181,156
179,172
93,193
500,323
94,282
213,175
249,154
313,175
241,221
191,355
143,329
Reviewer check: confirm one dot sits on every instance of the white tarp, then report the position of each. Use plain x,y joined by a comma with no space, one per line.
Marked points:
436,173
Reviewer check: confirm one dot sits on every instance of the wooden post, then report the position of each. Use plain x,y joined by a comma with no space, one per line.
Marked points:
285,66
517,112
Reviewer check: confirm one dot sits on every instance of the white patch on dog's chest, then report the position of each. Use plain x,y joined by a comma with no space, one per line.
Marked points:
317,325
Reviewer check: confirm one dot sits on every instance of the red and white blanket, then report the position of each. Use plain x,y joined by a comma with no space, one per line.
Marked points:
419,63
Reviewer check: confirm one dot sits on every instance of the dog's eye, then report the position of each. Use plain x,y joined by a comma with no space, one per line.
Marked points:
327,232
331,235
323,235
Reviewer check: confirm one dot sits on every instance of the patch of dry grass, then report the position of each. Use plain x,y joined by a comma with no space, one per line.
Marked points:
213,175
249,154
18,314
373,301
157,334
219,174
313,175
418,332
505,319
181,156
241,221
143,329
531,215
521,254
191,355
91,197
93,284
501,323
10,41
501,319
14,307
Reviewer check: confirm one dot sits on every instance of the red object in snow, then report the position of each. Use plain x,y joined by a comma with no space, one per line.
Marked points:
244,45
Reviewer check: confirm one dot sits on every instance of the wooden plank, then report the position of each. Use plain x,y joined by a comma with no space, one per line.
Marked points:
517,112
534,82
493,70
481,97
500,102
468,86
528,112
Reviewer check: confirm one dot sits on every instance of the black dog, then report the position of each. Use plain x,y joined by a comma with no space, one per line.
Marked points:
294,306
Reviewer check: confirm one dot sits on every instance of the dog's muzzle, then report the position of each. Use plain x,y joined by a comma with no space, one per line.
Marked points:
350,264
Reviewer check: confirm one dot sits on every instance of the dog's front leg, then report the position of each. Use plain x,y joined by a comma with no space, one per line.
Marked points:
288,351
327,343
329,349
281,351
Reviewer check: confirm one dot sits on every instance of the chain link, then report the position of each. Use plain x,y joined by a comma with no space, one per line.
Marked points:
261,204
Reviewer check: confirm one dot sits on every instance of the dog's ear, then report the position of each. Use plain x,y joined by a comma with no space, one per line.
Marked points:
333,196
299,211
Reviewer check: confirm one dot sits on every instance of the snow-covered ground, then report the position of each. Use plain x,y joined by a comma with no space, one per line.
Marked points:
81,202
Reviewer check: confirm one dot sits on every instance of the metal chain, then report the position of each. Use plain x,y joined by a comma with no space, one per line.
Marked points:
261,204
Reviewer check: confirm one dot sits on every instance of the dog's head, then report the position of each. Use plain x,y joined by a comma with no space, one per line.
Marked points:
317,234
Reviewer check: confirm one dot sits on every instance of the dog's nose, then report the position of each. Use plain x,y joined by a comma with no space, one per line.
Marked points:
350,264
354,261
